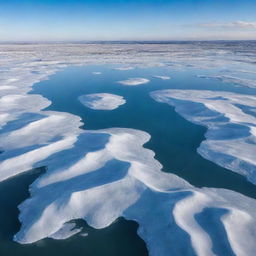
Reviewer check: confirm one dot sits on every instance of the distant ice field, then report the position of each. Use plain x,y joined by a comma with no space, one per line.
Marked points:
183,171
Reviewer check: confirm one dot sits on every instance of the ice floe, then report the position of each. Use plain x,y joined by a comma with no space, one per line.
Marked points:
231,136
96,73
134,81
102,101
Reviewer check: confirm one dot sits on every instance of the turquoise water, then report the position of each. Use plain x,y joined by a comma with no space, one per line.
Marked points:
173,139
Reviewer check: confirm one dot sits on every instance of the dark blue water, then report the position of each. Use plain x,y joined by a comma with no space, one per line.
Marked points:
173,139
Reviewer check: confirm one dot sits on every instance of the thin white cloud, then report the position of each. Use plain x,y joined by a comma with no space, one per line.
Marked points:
233,24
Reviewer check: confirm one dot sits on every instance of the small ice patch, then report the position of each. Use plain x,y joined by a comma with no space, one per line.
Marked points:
102,101
134,81
96,73
124,68
12,80
163,77
84,234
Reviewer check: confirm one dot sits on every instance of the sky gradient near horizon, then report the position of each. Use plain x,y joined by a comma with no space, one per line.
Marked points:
51,20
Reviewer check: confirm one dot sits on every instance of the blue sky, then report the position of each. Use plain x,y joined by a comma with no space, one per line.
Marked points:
127,19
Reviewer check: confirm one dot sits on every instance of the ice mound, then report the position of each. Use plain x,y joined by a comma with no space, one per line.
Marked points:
102,101
231,136
163,77
134,81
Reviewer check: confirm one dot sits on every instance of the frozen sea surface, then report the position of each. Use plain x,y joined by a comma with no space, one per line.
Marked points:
103,166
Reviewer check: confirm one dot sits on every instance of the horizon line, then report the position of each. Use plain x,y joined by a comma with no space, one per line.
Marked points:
123,41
